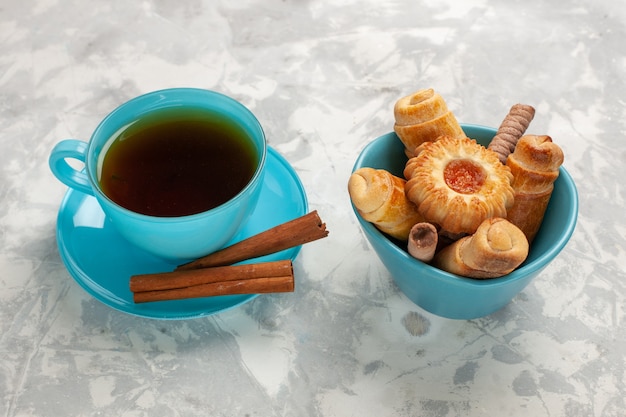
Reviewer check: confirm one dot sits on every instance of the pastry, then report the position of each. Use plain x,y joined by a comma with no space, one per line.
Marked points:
511,130
457,183
535,166
423,240
379,198
496,249
423,117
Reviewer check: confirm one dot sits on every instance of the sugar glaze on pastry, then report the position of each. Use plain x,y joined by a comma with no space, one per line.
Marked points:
457,183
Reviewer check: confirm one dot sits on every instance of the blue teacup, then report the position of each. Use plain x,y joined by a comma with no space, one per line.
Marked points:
181,237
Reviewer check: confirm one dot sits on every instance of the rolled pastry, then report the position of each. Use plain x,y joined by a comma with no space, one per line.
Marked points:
423,240
379,198
457,183
422,117
535,166
496,249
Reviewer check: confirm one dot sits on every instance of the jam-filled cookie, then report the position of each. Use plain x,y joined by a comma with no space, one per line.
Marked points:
457,184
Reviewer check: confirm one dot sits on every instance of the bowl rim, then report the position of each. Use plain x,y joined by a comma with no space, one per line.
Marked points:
523,272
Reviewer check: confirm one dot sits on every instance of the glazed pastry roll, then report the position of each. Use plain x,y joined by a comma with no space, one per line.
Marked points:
379,198
496,249
457,183
535,166
422,117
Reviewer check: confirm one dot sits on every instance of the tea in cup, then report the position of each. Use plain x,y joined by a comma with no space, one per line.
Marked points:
176,171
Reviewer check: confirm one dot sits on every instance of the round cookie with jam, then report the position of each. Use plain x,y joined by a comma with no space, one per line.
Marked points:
457,183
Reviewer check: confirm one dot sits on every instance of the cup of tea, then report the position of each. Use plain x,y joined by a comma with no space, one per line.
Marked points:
176,171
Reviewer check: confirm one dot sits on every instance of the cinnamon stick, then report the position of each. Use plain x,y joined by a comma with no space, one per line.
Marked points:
189,278
240,286
296,232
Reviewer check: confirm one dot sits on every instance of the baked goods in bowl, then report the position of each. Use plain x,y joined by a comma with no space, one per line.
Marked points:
447,294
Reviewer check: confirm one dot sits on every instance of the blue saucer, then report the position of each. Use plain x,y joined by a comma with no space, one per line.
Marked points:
102,261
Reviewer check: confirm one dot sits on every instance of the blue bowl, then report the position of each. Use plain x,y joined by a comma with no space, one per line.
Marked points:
448,295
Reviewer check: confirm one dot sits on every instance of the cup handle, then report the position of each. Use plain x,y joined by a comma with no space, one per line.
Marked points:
70,148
